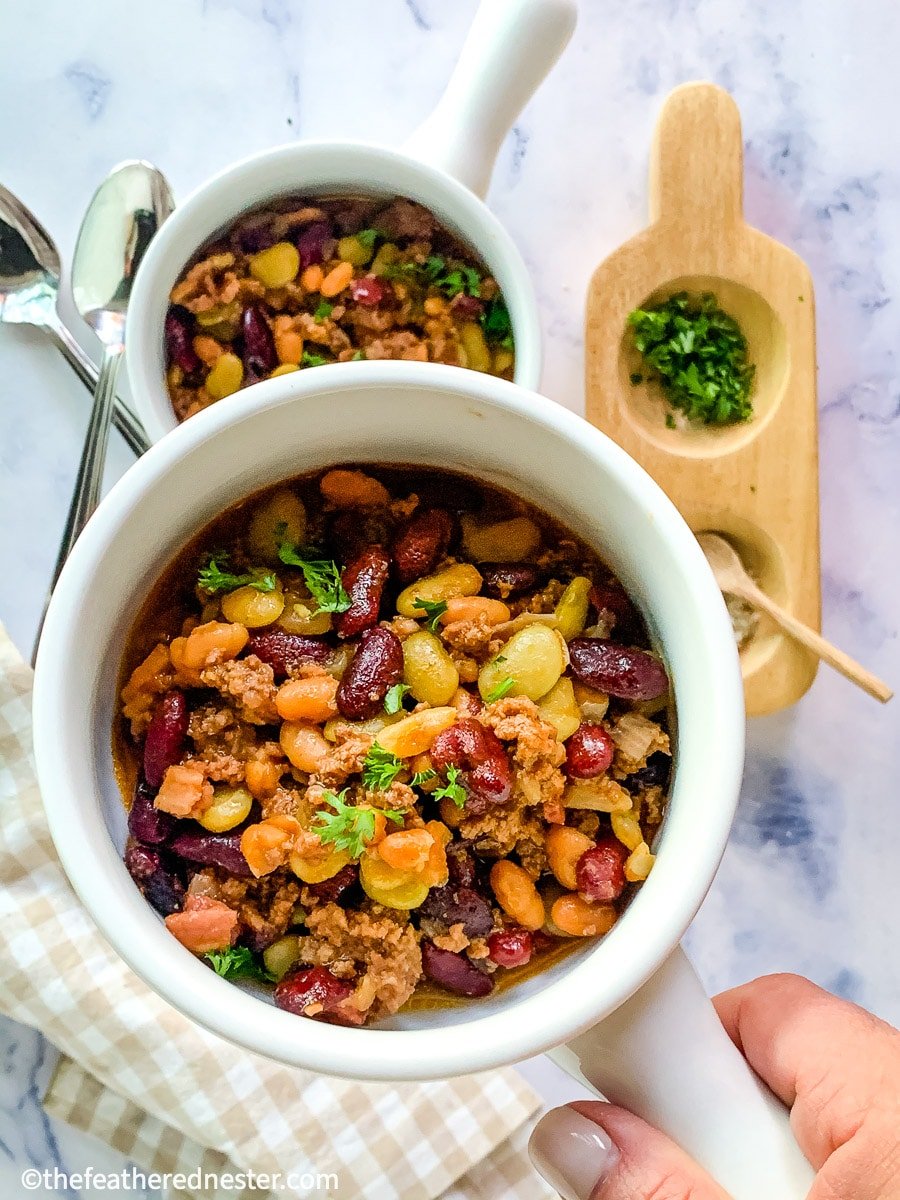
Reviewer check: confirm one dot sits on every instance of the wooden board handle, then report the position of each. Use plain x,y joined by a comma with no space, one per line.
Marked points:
697,162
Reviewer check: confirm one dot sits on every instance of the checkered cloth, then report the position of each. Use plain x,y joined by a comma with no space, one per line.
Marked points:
171,1096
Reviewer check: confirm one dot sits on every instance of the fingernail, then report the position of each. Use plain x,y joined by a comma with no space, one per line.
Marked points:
572,1153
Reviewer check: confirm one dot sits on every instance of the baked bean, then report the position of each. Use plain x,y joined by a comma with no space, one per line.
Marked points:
310,699
267,845
407,849
416,733
517,895
578,918
214,642
352,489
262,777
475,608
639,864
304,745
565,847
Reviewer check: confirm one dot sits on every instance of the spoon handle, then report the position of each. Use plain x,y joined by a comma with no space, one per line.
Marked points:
88,482
823,649
85,368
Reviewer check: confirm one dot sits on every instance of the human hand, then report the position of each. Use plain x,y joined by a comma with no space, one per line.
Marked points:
836,1066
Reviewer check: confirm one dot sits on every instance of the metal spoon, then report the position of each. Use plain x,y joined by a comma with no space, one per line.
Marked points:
125,213
29,294
731,576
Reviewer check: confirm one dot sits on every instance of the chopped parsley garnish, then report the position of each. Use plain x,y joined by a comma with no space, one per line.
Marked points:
503,688
214,578
367,237
435,271
496,323
324,309
452,789
237,962
313,360
321,575
349,827
700,356
433,610
380,768
421,777
393,701
460,279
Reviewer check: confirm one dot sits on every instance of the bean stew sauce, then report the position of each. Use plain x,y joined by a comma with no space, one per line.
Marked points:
389,735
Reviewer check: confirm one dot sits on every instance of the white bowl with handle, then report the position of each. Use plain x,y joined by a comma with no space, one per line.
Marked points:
446,166
628,1011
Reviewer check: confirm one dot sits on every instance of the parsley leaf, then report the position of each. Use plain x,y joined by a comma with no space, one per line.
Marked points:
213,578
324,309
460,279
349,827
433,610
380,768
700,356
452,789
237,962
321,575
367,237
421,777
503,688
496,324
393,701
313,360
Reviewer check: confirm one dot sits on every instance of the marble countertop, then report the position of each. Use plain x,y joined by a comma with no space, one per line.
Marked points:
809,882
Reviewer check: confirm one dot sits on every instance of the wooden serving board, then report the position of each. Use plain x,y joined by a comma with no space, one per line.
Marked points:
756,483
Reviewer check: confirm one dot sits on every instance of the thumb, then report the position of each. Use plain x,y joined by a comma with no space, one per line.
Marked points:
595,1151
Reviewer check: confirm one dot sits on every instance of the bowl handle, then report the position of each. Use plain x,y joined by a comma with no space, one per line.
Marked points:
664,1055
511,46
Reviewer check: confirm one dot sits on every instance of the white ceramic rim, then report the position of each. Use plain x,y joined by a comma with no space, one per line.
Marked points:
595,984
354,167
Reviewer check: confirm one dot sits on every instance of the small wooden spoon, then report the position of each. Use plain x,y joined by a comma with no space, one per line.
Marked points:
732,577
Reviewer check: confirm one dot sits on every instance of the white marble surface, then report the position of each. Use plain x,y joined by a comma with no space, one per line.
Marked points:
809,881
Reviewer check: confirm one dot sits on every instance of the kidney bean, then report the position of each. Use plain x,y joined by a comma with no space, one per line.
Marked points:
371,291
350,532
329,891
600,872
463,867
363,580
422,542
589,751
213,850
612,598
258,350
622,671
146,823
459,906
468,307
313,242
511,947
502,580
252,238
655,774
454,972
164,743
163,890
283,651
376,667
479,752
305,986
179,340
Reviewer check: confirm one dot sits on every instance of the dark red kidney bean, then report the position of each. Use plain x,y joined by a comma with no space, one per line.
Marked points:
612,598
258,345
454,972
484,765
589,751
146,823
469,307
212,850
600,872
461,866
161,889
542,941
180,350
421,543
375,667
306,986
350,532
512,947
502,580
371,291
283,651
655,774
313,242
164,743
622,671
253,238
459,906
363,580
329,891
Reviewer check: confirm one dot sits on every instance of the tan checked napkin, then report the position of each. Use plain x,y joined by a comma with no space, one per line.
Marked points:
174,1098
